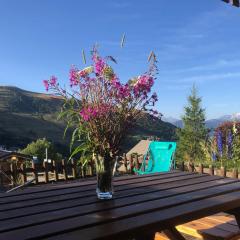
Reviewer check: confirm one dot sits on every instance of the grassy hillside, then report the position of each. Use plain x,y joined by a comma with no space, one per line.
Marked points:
16,100
26,116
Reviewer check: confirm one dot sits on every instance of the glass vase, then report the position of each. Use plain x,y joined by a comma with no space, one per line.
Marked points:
105,168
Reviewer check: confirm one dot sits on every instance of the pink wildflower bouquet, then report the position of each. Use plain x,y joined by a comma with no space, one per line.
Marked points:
102,107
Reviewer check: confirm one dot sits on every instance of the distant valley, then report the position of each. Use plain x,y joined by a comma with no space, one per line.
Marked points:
26,116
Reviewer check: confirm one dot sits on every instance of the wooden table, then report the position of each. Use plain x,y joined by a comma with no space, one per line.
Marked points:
141,206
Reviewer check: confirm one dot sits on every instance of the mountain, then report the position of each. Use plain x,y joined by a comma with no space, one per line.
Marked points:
170,119
176,122
26,116
211,123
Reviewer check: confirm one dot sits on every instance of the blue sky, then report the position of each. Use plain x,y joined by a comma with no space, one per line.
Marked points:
195,42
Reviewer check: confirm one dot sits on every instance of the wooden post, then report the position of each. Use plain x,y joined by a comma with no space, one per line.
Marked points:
45,165
137,162
223,172
140,164
131,164
90,167
55,170
74,169
35,173
128,160
65,176
1,176
201,168
24,175
211,170
182,167
82,170
191,167
235,173
125,161
13,173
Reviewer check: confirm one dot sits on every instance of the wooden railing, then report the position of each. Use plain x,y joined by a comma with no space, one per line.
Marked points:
45,173
65,170
60,170
211,170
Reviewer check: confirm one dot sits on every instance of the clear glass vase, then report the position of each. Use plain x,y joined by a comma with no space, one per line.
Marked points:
105,168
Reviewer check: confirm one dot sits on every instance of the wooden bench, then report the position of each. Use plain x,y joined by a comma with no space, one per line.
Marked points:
220,226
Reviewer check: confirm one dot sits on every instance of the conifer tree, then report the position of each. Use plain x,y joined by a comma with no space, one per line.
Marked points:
191,138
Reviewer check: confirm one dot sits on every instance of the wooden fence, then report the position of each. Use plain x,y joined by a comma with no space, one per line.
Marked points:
65,170
135,162
44,173
59,171
211,170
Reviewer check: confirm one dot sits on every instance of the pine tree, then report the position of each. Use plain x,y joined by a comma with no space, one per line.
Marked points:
191,138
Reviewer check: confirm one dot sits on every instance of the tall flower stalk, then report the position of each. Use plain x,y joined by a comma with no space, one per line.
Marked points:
220,145
229,144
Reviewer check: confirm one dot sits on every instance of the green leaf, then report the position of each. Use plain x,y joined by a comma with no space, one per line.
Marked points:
78,150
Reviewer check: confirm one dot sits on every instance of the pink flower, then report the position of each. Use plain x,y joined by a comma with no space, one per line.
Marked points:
84,114
143,85
124,92
103,103
99,64
53,81
90,112
83,73
46,84
73,75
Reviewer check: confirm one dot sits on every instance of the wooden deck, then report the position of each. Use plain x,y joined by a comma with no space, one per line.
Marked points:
142,205
221,226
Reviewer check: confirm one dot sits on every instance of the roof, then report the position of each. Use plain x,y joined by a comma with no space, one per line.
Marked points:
141,148
233,2
4,155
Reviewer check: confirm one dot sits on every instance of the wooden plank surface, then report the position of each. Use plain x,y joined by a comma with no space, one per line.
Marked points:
206,227
83,185
66,201
85,191
73,211
179,214
129,203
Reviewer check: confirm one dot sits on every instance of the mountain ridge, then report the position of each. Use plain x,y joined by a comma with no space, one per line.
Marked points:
210,123
26,116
